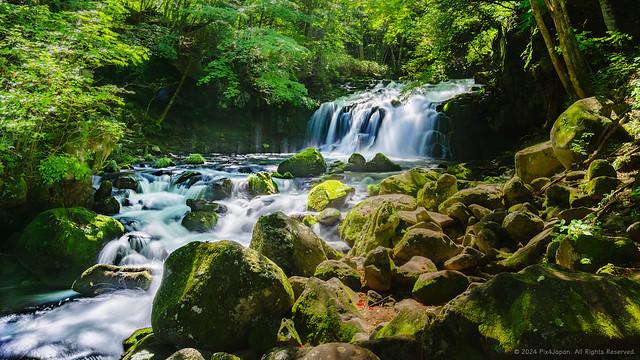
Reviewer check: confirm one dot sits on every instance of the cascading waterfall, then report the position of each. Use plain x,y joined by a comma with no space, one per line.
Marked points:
384,119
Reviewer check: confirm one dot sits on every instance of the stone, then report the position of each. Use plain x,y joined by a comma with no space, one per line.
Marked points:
378,269
435,193
468,258
516,191
412,318
407,274
529,254
339,351
408,182
356,163
106,206
539,183
590,252
459,212
200,221
298,284
103,278
261,184
290,244
601,186
541,307
522,226
189,178
329,217
327,312
537,161
576,213
600,167
633,232
59,244
204,205
395,347
308,162
218,189
329,269
479,211
484,195
433,245
143,344
381,163
575,134
164,162
186,354
126,182
287,333
557,196
195,159
439,287
220,296
330,193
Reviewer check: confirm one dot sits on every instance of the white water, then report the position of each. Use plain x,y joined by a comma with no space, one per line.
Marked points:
95,327
384,119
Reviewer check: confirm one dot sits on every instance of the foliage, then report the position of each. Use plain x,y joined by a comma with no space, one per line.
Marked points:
195,159
55,169
163,163
575,229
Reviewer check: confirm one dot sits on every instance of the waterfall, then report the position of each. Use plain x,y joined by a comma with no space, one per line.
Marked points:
387,119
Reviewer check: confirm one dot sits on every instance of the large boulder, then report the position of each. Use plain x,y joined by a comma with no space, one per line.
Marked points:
408,182
589,252
428,243
379,269
290,244
381,163
59,244
575,133
439,287
537,161
540,308
330,193
220,296
516,191
329,269
200,221
102,278
218,189
261,184
308,162
484,195
362,215
435,193
412,318
326,311
522,226
356,162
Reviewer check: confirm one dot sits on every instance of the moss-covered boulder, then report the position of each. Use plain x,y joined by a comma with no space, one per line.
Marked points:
205,205
599,168
13,191
356,162
484,195
329,269
308,162
218,189
102,278
590,252
600,186
467,259
431,244
575,133
261,184
329,216
164,162
330,193
439,287
143,344
220,296
59,244
381,163
362,216
379,269
522,226
326,312
127,182
408,182
434,193
412,318
537,161
542,307
200,221
290,244
407,274
516,191
195,159
380,230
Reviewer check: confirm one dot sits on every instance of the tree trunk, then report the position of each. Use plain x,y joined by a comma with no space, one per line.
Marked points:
175,94
551,49
608,15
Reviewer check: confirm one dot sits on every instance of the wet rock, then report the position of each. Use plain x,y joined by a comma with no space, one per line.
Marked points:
516,191
329,216
220,296
298,284
126,182
261,184
381,163
218,189
103,278
378,269
290,244
439,287
204,205
436,192
407,274
143,344
412,317
356,163
433,245
329,269
537,161
200,221
189,178
330,193
106,206
590,252
308,162
522,226
484,195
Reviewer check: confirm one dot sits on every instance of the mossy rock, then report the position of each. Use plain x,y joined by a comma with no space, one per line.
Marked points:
290,244
522,226
261,184
439,287
200,221
557,196
337,269
163,163
379,269
590,252
220,296
599,168
308,162
431,244
59,244
357,219
484,195
381,163
218,189
373,189
195,159
537,161
379,230
127,182
408,182
356,163
103,278
326,312
406,275
434,193
143,344
600,186
460,171
13,191
330,193
541,307
516,191
329,217
106,206
411,319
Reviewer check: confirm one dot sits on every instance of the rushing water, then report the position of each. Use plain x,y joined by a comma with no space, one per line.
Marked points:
385,119
93,328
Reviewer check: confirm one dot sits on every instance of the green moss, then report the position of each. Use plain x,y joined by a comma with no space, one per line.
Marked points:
163,163
308,162
200,221
381,163
195,159
330,193
460,171
337,269
13,191
262,184
599,168
373,189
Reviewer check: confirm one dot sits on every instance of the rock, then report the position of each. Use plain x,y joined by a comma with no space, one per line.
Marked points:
590,252
378,269
537,161
442,220
329,216
459,212
577,213
186,354
599,168
339,351
479,212
485,195
329,269
164,162
59,244
219,189
633,232
529,254
330,193
104,190
326,311
110,167
412,317
106,206
287,333
356,163
298,284
361,215
189,178
407,274
413,217
379,230
601,186
220,296
224,356
541,307
408,182
261,184
143,344
469,258
435,193
195,159
126,182
373,189
308,162
394,347
200,221
381,163
290,244
538,183
516,191
102,278
575,133
522,226
557,196
490,236
336,167
204,205
439,287
433,245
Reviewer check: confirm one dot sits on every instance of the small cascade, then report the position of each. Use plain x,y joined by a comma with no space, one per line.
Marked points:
386,119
